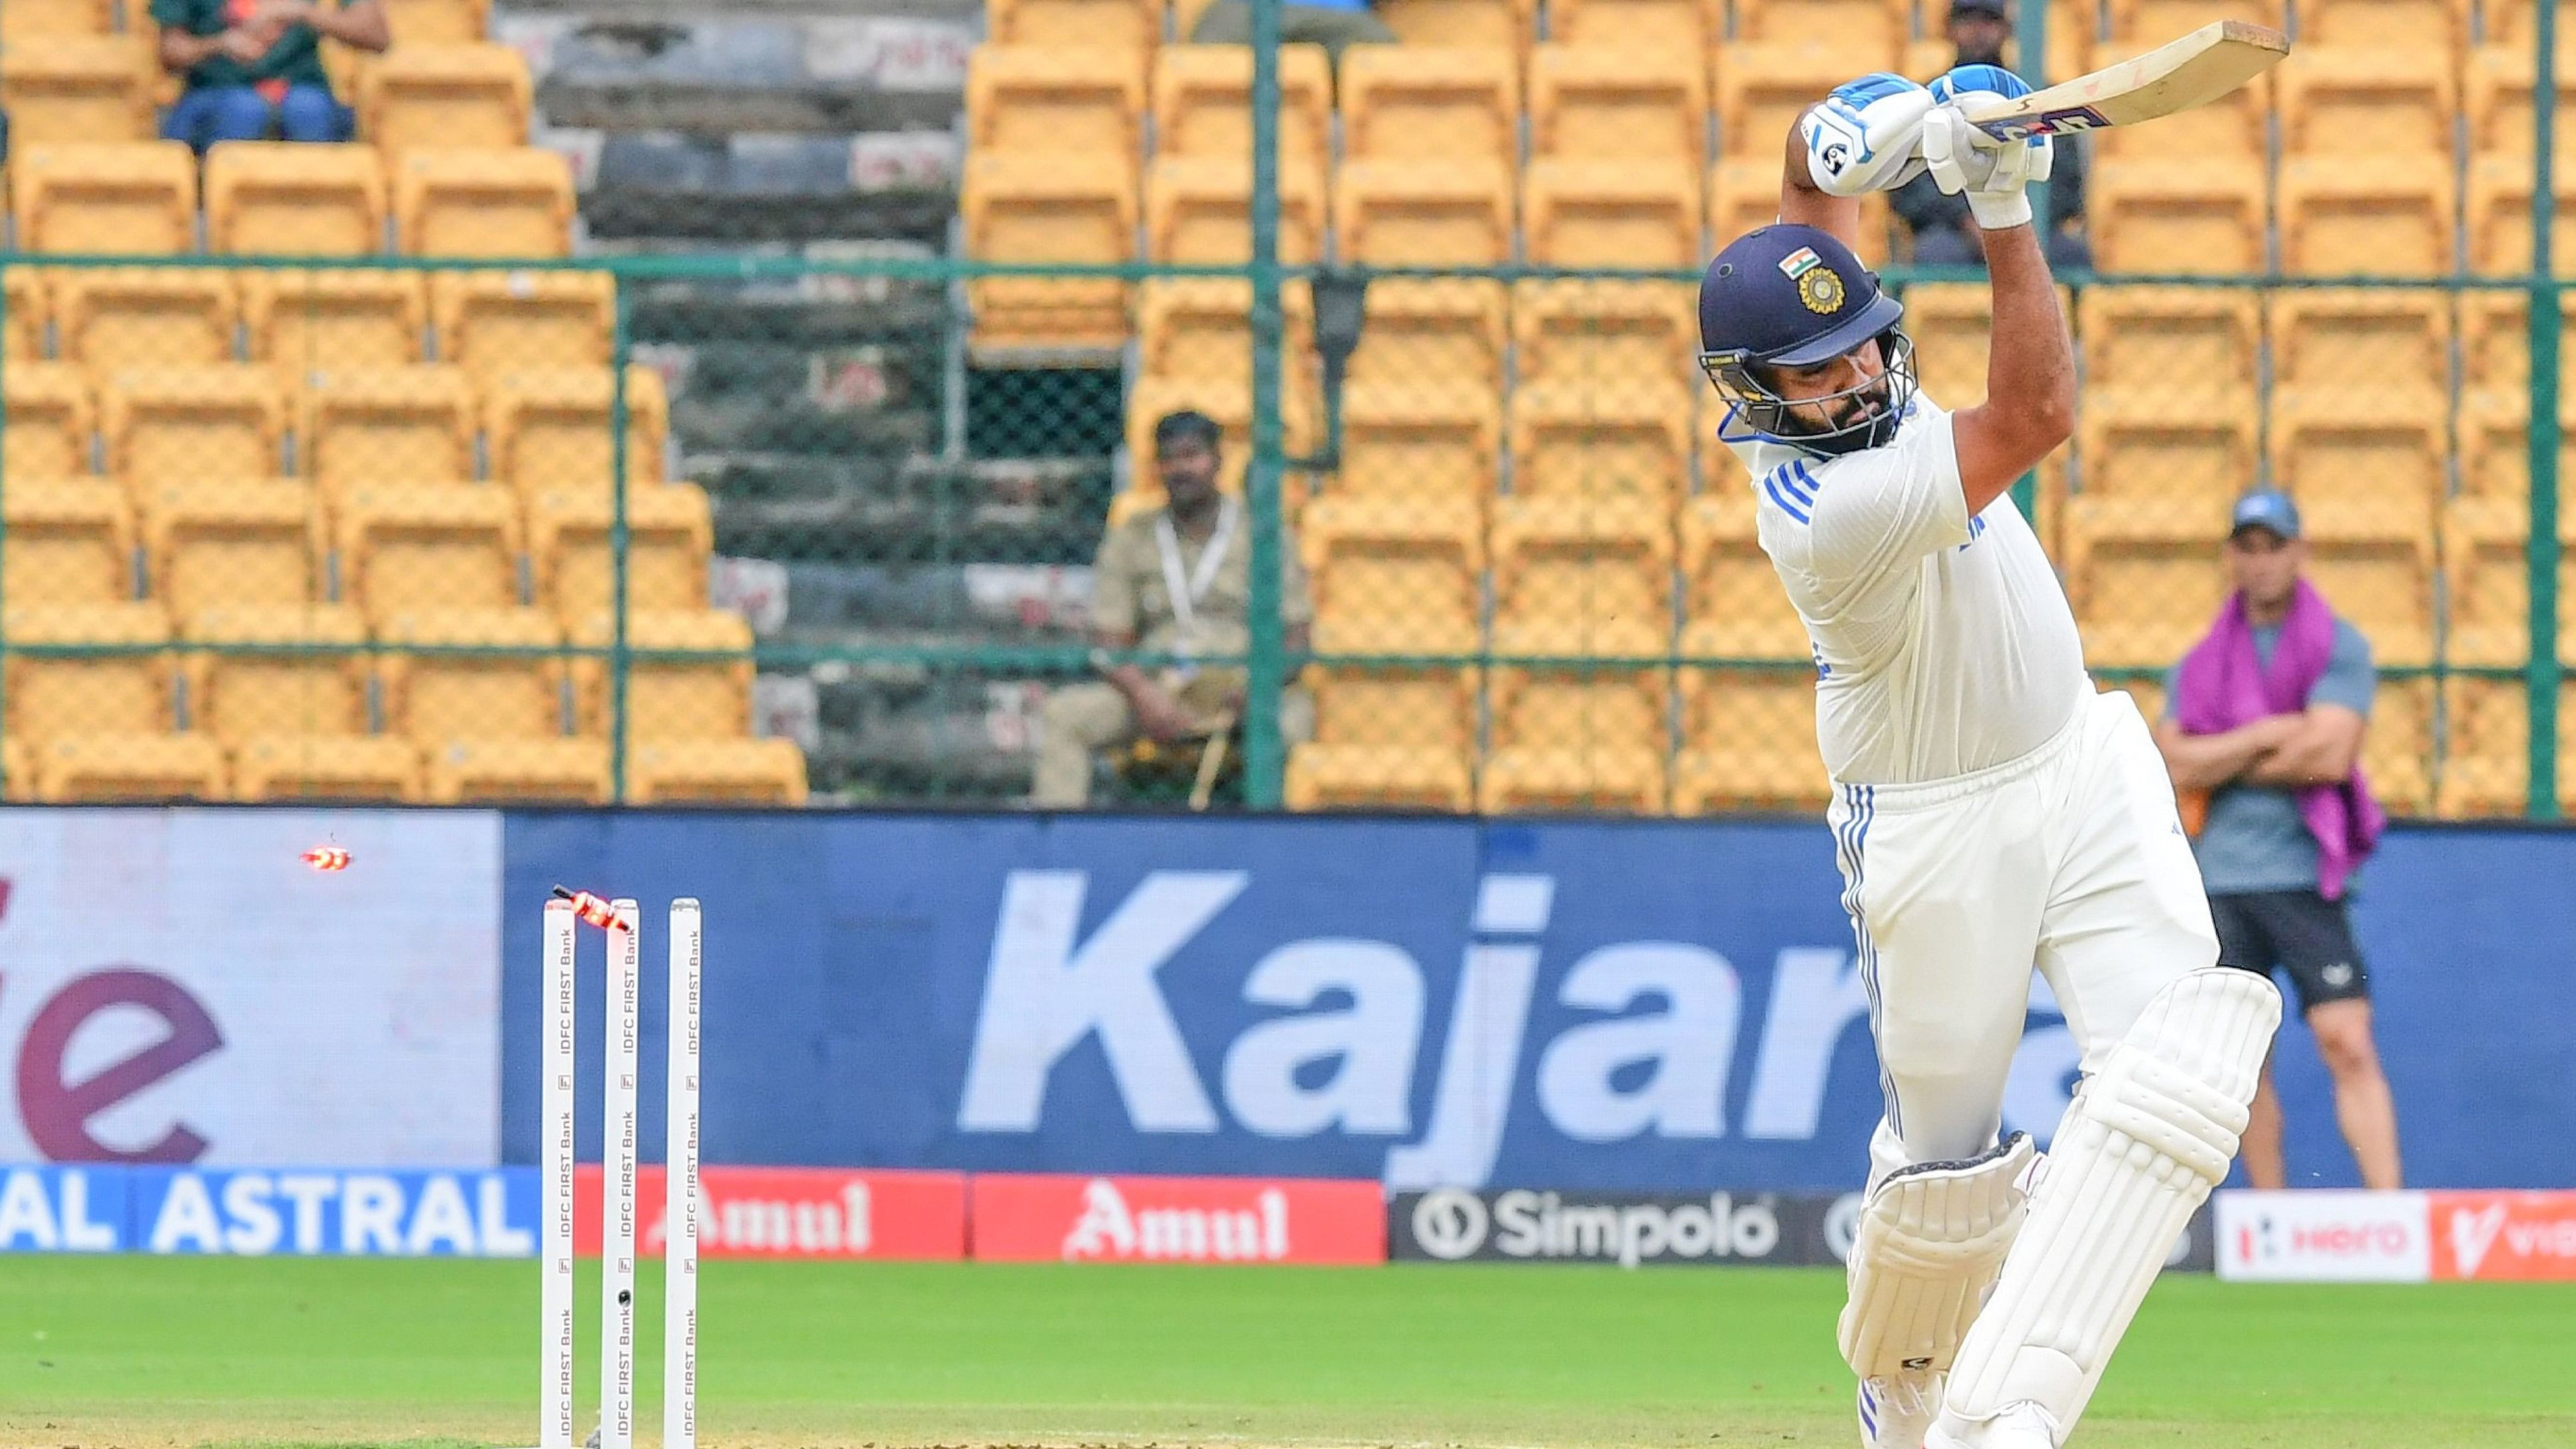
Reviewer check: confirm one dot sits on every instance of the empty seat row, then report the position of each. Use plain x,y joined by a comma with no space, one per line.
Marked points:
72,90
103,769
414,22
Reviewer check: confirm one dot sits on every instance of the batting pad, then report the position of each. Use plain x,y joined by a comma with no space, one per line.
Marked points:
2149,1135
1930,1243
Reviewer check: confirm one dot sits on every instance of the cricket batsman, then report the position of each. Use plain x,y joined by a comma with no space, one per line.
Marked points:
1991,810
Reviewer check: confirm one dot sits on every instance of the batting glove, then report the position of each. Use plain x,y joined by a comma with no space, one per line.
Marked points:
1864,136
1966,161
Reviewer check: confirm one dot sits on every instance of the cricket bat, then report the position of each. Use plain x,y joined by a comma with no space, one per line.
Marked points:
2175,76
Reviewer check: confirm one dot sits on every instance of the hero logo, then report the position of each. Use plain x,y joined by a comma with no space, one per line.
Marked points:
1651,1054
1108,1228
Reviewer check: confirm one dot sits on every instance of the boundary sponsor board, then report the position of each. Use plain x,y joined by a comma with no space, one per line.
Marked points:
334,1212
2324,1236
1045,1217
2504,1236
66,1210
794,1212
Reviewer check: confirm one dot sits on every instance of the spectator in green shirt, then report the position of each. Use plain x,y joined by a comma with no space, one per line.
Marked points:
254,67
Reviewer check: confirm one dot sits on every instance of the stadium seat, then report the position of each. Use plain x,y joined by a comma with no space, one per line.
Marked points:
514,204
111,318
1588,738
1202,327
280,672
768,773
2170,339
2495,338
2165,215
503,680
2499,220
1064,24
337,769
1036,98
1594,213
1950,323
1732,604
491,323
2486,572
1869,31
471,95
33,19
412,549
552,429
135,769
1582,445
2398,752
2391,216
386,425
1744,193
707,697
1749,742
669,530
2238,124
1763,88
2495,441
217,544
2195,452
1395,575
167,424
1198,210
276,199
2152,22
1639,338
2144,576
120,695
1203,103
1049,208
2368,101
1578,577
68,541
1434,337
1387,738
72,90
1502,25
1685,28
438,22
1414,444
2502,80
29,314
1405,102
518,772
2486,771
1614,104
2386,447
2373,339
2432,28
301,322
2373,559
49,423
131,200
1452,213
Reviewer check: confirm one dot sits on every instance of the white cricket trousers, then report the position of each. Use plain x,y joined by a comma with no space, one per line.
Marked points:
2071,858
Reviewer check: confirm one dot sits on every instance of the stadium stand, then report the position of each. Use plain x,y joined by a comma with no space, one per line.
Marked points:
75,89
1203,103
1612,103
298,321
1039,98
274,199
1404,101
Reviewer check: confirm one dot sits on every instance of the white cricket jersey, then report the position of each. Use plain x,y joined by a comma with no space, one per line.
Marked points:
1943,643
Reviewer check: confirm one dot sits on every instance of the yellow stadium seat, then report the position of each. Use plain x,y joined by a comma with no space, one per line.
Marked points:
504,772
1732,604
2486,771
110,318
438,22
1749,742
1198,210
1762,89
2391,216
1504,25
491,323
2176,216
215,544
2499,220
2237,124
1638,338
1228,403
276,199
2495,441
1202,327
1593,213
30,19
1586,738
50,420
669,530
2367,102
129,200
1870,31
472,674
552,429
24,337
1060,24
1034,98
2170,339
2152,22
2373,559
2486,572
387,425
514,204
1434,337
410,549
278,671
1405,102
69,90
1576,577
120,694
177,423
1583,445
2390,448
1417,444
342,770
1638,27
474,94
2502,81
1412,213
1387,738
302,322
1744,193
1398,575
2373,338
2398,753
1950,323
2421,27
688,676
1203,103
2144,576
1049,208
768,773
1617,104
2196,452
133,769
68,541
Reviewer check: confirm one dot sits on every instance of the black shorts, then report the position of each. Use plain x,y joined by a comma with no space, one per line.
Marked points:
2300,932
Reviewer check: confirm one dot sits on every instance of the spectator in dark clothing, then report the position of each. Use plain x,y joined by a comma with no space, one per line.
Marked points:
254,67
1942,235
1335,25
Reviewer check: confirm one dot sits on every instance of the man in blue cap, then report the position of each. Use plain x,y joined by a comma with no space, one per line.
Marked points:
1992,811
2263,730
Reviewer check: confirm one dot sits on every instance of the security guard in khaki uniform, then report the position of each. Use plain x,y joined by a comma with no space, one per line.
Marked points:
1177,581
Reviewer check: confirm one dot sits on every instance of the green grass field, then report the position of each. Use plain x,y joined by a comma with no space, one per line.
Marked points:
161,1351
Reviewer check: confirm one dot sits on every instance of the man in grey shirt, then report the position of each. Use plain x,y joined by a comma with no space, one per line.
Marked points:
2263,724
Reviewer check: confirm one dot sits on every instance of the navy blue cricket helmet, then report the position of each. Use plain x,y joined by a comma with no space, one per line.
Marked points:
1792,296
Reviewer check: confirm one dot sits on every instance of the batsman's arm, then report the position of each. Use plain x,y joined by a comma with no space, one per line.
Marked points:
2030,370
1805,203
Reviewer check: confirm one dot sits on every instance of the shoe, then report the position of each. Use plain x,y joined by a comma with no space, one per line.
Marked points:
2022,1425
1896,1409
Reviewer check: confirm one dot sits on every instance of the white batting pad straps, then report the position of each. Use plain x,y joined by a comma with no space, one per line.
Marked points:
2149,1135
1931,1239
